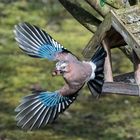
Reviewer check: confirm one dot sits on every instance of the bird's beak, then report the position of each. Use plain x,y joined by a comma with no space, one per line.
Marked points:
56,72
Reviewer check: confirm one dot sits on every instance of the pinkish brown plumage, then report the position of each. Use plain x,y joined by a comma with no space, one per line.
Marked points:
78,74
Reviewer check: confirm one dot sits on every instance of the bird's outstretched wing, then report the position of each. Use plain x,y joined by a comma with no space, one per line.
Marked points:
37,43
37,110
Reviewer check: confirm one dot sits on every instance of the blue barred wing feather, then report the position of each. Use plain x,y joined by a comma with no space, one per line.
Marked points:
36,42
37,110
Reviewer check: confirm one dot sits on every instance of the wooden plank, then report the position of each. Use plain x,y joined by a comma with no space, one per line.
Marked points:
120,89
98,37
131,20
115,3
127,78
95,4
134,28
127,10
128,36
84,17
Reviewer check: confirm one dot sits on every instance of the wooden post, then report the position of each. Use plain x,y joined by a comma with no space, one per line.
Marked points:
136,68
108,64
137,73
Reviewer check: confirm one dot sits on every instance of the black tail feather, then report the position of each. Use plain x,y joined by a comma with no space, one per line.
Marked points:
95,85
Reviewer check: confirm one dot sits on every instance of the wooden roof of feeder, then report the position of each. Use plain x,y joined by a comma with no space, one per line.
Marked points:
119,28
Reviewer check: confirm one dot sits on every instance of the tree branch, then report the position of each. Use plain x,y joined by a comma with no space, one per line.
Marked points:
81,15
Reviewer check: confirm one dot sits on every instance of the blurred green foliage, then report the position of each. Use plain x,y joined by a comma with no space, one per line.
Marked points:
109,118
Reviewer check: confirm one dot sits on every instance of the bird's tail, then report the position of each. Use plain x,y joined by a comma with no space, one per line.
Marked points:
95,85
37,110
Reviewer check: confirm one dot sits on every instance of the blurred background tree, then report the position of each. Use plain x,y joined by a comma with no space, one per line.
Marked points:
111,117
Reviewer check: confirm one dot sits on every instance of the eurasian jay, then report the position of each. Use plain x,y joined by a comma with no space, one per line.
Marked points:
37,110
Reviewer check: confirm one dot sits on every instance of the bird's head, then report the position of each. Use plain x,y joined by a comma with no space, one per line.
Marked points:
61,68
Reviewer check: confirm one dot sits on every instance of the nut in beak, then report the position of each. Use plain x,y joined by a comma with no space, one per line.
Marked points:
56,72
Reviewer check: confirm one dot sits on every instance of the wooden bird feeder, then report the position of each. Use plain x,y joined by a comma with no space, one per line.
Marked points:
120,28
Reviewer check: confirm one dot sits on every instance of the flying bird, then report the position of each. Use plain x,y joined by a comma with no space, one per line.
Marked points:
37,110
